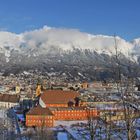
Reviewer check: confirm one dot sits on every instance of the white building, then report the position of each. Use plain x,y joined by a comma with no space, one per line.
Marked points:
8,101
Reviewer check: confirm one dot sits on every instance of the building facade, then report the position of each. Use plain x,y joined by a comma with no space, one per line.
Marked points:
8,101
58,105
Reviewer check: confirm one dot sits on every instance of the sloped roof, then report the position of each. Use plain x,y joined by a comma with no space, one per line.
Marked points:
67,108
9,98
58,96
39,111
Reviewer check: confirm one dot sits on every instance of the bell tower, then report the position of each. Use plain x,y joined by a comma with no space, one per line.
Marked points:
38,88
17,90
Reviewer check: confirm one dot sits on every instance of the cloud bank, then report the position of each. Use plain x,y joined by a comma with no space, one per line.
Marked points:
65,39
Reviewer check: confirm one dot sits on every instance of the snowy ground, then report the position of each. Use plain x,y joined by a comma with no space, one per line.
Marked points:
62,136
79,130
68,123
3,113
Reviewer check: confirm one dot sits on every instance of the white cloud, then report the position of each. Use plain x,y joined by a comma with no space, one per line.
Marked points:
65,39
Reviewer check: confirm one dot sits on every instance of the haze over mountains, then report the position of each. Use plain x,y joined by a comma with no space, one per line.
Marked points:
66,51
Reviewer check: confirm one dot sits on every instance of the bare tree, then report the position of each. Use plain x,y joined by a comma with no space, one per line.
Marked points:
125,86
42,132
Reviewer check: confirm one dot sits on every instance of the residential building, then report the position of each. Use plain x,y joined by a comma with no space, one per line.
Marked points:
8,101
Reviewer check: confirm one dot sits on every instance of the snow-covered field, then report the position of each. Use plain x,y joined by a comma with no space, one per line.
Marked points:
62,136
3,113
68,123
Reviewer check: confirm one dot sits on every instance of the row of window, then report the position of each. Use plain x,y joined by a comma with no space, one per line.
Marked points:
71,118
7,104
40,121
69,111
39,117
75,114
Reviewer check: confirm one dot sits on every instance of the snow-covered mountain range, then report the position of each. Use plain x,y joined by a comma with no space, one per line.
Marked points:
41,46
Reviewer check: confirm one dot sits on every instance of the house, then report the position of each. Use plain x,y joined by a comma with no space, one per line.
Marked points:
39,116
8,101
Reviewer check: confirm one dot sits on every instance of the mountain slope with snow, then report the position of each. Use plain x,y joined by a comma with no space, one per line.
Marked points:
59,48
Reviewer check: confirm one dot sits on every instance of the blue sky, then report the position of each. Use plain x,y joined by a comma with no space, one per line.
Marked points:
109,17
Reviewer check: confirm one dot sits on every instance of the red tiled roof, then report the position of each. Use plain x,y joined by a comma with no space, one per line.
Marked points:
9,98
68,108
58,96
39,111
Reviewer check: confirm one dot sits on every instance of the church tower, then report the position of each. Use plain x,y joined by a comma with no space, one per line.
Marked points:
17,90
38,89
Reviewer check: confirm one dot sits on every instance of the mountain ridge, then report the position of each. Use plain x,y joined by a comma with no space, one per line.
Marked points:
64,51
